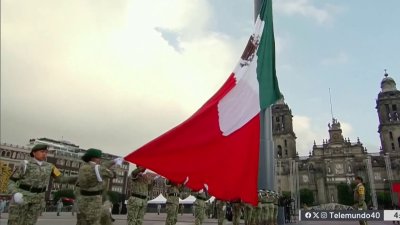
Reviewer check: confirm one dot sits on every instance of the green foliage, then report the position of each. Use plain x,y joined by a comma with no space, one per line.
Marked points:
306,197
384,200
345,194
65,193
286,194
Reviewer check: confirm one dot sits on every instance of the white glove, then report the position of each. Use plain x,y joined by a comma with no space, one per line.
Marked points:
118,161
18,198
206,187
186,180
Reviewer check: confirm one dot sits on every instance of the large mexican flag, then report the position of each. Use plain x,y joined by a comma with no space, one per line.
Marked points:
218,146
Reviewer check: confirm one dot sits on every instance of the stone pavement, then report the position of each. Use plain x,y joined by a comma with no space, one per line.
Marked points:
50,218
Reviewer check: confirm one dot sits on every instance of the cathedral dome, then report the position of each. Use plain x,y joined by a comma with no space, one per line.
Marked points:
388,84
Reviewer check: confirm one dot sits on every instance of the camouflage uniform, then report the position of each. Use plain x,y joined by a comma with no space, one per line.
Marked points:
359,199
275,214
248,214
172,204
31,180
91,190
200,207
264,207
256,218
137,202
106,213
270,208
236,213
221,211
77,193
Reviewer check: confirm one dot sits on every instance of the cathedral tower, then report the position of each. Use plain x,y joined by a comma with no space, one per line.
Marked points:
388,107
282,130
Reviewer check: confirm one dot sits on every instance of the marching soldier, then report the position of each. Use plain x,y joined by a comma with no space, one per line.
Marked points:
236,212
137,203
275,214
91,184
359,197
248,214
221,211
28,185
200,206
264,208
172,205
270,207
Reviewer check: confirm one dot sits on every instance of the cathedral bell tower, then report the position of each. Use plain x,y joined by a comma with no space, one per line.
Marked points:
335,133
282,130
388,106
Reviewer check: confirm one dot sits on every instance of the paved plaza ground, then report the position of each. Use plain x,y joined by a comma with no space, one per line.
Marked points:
50,218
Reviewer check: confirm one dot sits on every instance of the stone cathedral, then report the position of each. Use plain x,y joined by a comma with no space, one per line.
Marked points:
338,159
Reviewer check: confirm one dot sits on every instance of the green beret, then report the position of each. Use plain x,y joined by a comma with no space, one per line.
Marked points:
38,147
91,153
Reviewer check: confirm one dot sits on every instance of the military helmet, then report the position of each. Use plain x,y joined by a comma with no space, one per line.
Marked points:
91,153
38,147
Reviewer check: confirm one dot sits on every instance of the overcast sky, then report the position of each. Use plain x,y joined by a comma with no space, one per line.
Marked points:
115,74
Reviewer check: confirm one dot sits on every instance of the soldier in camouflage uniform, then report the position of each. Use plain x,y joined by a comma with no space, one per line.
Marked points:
200,206
248,213
236,212
106,218
359,197
269,207
91,184
141,185
28,185
263,211
77,193
221,211
275,215
172,205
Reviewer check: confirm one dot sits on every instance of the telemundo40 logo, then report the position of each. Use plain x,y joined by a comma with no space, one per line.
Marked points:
341,215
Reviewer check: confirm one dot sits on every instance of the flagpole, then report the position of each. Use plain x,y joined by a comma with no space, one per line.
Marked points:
266,163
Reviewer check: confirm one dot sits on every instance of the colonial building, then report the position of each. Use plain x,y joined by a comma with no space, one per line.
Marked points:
338,159
67,157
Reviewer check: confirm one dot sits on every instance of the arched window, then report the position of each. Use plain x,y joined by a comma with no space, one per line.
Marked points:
398,141
285,143
8,154
392,146
390,135
279,151
3,153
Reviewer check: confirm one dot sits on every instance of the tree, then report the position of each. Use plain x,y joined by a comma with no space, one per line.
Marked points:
345,194
384,200
306,197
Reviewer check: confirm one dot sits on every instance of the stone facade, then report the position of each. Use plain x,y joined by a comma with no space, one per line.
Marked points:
337,159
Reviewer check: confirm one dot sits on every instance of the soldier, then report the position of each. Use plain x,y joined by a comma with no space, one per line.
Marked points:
263,207
60,205
172,205
77,193
248,214
221,211
270,207
275,214
359,197
28,185
91,184
236,212
106,218
141,185
200,206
